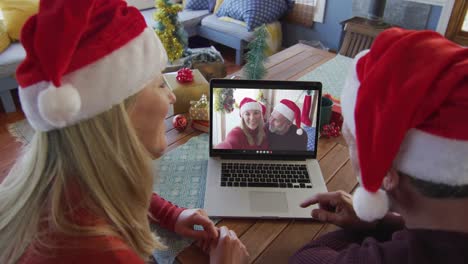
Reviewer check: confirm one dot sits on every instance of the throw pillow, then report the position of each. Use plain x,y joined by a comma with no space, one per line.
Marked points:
218,5
196,4
4,38
15,13
254,12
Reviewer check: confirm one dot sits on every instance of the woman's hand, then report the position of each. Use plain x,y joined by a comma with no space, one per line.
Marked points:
229,249
336,208
184,226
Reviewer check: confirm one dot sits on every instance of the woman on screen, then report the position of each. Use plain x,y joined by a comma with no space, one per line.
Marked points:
251,133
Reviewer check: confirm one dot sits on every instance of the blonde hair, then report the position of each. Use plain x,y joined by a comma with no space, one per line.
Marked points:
260,134
104,159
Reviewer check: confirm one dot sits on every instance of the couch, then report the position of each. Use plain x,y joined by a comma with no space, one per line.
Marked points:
208,25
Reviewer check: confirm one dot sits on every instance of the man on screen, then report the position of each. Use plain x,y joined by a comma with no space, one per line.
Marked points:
282,133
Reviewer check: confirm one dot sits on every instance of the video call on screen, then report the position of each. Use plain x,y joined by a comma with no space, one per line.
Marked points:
268,129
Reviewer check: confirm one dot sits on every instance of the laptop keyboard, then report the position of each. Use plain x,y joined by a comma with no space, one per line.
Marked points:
265,175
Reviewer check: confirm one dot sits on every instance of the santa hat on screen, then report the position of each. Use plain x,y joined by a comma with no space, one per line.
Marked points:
291,111
406,101
82,58
250,104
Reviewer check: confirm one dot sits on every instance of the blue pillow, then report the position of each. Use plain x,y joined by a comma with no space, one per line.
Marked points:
196,4
254,12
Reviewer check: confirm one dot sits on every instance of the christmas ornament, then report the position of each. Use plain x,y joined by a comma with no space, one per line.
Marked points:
184,75
331,130
199,109
169,29
254,69
179,122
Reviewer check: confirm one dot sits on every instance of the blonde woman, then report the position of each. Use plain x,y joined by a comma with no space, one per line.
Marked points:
82,190
251,132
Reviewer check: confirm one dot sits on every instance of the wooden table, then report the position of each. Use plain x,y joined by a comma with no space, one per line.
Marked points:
274,241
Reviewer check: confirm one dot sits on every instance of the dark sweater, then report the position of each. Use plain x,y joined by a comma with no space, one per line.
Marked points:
289,141
406,246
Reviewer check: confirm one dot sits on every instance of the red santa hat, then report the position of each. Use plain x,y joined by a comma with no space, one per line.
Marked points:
250,104
82,58
291,111
406,102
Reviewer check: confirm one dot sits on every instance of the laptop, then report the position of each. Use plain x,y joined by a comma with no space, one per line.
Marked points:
267,179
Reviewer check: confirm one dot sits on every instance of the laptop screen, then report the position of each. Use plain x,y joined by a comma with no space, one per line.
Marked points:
264,119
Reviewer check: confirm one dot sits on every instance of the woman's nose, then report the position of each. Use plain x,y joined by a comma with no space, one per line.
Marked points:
172,97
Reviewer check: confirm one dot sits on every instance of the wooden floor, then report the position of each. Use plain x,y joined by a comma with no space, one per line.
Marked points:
10,149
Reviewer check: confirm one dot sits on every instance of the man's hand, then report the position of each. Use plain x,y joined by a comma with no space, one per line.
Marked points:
229,249
336,208
184,226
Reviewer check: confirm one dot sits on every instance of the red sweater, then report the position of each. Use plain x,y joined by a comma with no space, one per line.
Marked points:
163,211
236,139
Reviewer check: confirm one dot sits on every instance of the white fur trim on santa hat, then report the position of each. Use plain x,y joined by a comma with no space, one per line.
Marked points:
349,94
60,105
250,106
104,83
432,158
285,111
370,206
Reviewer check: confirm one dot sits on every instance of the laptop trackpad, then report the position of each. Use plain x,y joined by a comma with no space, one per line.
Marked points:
268,202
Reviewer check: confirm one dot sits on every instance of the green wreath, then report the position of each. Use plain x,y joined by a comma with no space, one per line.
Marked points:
224,100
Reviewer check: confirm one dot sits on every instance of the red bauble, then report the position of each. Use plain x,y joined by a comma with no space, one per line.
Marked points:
179,122
184,75
331,130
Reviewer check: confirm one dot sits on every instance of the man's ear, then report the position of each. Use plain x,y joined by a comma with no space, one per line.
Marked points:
391,180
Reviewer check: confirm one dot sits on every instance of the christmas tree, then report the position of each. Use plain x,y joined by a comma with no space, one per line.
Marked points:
254,69
169,29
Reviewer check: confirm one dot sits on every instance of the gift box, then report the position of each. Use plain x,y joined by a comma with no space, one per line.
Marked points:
201,125
199,110
186,92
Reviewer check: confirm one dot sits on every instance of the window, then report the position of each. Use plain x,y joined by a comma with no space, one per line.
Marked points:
306,12
447,6
465,23
457,29
430,2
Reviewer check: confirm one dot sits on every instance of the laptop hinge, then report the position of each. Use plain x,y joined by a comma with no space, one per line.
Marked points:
263,158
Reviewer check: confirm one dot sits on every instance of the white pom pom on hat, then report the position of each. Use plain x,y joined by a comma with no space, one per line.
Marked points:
59,105
299,131
370,206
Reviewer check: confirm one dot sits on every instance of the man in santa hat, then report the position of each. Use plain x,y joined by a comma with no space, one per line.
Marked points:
405,108
283,134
